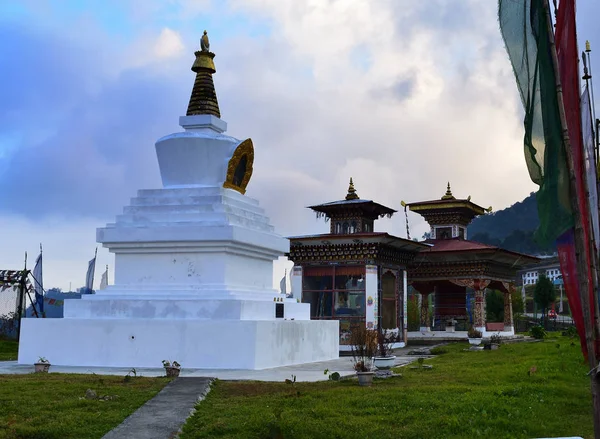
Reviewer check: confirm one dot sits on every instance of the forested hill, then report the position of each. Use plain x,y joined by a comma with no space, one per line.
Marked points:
511,228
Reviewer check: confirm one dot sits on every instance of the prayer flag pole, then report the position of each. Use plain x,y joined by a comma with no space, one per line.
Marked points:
580,243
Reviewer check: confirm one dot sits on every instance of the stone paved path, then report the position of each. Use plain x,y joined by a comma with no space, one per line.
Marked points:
163,415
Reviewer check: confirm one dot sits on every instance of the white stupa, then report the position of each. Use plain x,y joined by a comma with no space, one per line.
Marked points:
193,268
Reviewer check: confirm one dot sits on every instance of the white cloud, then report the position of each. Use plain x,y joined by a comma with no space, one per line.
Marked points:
168,44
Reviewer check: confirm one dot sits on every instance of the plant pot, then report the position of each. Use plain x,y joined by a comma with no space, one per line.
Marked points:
41,367
365,378
475,341
172,372
384,363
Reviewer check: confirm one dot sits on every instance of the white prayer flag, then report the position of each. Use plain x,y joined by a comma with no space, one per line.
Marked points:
104,279
89,277
282,284
39,282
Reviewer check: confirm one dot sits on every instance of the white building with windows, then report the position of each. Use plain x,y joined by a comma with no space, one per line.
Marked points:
550,267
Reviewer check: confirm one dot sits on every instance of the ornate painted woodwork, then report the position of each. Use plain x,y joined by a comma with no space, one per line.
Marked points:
239,169
360,252
478,312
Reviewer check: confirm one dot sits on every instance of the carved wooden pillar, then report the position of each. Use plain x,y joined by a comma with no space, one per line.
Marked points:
508,314
478,312
425,313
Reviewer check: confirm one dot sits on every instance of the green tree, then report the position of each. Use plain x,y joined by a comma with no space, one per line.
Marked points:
494,306
413,313
518,306
544,294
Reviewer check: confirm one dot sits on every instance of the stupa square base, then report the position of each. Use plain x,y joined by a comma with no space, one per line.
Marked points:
201,344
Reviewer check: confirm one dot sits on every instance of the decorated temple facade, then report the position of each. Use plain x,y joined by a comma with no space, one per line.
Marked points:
458,272
353,274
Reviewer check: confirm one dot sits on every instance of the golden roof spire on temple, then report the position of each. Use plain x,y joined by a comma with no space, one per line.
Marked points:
204,97
448,195
352,195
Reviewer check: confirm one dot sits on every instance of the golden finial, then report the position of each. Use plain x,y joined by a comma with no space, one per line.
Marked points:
448,195
352,195
403,203
204,98
469,198
204,43
587,46
489,209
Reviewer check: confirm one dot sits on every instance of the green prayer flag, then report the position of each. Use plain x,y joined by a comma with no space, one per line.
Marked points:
524,28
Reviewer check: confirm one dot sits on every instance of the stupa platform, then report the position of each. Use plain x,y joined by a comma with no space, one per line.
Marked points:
206,344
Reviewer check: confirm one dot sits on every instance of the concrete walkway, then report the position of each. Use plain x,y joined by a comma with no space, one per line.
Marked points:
163,415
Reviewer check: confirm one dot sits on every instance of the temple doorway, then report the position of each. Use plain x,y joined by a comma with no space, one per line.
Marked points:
389,302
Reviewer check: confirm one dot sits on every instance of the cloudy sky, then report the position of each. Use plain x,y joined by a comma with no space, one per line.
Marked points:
401,95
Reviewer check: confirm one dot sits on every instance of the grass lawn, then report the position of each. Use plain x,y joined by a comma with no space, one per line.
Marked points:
521,390
8,350
48,406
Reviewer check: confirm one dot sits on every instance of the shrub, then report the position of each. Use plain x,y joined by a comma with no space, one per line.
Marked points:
474,333
571,332
496,339
363,342
537,332
384,343
439,350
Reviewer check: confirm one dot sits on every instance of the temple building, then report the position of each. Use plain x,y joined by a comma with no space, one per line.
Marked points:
457,271
353,274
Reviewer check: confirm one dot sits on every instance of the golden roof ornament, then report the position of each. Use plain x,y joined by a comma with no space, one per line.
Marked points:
448,195
204,97
587,46
204,43
352,195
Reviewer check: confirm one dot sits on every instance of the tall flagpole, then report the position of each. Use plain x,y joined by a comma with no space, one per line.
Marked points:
588,50
21,296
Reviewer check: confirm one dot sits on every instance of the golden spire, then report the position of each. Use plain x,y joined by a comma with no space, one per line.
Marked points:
352,195
448,195
587,46
204,97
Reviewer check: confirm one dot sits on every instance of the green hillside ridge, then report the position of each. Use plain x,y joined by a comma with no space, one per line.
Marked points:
511,228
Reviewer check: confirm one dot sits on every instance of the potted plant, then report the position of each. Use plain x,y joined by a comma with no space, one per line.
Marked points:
172,369
384,358
42,365
474,336
495,341
363,343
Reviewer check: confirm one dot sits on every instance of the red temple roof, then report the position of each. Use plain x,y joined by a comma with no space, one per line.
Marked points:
385,238
452,245
470,249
